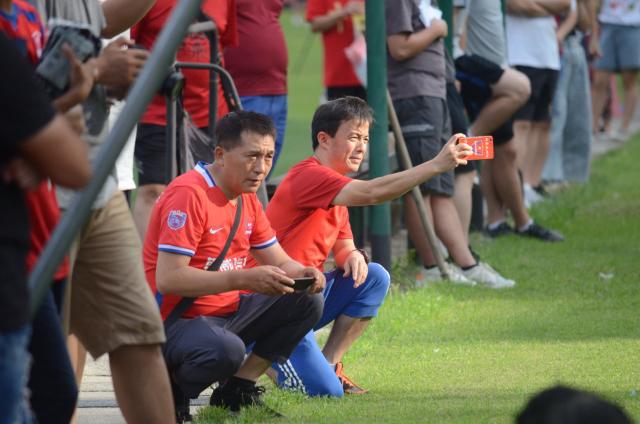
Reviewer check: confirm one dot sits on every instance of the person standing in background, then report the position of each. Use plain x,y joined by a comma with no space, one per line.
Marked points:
335,20
620,46
150,148
258,64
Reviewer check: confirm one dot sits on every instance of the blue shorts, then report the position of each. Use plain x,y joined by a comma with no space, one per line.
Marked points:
307,369
620,46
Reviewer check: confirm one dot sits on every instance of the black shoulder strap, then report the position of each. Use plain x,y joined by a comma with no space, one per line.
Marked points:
186,302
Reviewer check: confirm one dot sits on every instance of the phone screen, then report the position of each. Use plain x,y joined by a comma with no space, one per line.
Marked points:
303,283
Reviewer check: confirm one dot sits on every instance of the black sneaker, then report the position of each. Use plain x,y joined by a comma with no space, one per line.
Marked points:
235,398
501,230
541,233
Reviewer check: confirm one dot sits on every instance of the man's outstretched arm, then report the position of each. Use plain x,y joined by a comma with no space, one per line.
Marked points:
388,187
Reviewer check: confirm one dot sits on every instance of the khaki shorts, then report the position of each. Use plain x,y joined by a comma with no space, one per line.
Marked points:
111,304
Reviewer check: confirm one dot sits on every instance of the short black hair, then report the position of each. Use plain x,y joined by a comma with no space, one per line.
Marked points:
329,116
230,128
566,405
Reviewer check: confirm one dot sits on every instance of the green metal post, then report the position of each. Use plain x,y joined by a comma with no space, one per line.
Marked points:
377,98
447,14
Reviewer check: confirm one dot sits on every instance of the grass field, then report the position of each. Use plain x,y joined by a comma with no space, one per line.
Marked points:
457,354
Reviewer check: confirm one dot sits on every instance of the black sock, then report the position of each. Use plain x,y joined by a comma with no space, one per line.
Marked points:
466,268
242,383
430,266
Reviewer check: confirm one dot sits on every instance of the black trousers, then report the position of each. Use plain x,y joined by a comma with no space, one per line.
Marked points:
52,381
204,350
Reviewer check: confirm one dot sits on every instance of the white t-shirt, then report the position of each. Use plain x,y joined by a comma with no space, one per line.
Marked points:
620,12
532,42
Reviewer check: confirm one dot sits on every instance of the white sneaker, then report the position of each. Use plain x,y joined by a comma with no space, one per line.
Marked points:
531,197
432,275
619,135
456,275
487,276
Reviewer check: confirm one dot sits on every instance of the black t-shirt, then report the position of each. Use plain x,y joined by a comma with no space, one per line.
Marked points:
24,110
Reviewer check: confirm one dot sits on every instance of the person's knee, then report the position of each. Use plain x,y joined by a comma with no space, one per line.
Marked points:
506,152
232,353
515,84
327,387
311,305
379,277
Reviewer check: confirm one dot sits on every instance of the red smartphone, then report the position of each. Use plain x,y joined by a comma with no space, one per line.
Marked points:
303,283
482,147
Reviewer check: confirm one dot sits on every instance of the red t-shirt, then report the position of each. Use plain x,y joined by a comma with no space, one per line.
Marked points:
194,48
259,64
24,27
193,217
307,224
44,215
338,70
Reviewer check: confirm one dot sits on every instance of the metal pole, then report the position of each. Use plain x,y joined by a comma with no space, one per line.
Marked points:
378,154
405,160
447,14
143,90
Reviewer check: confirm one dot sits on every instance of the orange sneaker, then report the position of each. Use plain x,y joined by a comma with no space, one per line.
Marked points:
349,387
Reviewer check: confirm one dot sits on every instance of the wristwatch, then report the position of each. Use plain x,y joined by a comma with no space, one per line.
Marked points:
364,254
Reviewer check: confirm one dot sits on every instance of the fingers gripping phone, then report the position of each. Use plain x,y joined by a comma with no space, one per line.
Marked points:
482,147
303,283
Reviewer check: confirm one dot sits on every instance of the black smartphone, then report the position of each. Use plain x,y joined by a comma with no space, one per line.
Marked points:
303,283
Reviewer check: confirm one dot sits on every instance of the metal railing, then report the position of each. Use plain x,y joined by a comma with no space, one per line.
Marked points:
141,93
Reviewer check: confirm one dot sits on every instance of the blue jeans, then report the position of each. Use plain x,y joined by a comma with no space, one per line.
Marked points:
570,150
14,364
274,107
307,369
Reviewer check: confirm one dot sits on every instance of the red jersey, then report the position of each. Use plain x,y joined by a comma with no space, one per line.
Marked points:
338,70
193,217
24,27
307,224
44,215
194,48
259,64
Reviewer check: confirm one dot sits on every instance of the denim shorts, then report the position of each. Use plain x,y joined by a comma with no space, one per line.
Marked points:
620,46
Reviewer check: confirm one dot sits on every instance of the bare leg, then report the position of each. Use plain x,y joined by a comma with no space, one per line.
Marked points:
145,200
510,92
629,82
521,130
448,228
344,333
253,367
495,206
462,200
141,384
540,151
416,231
503,176
600,85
